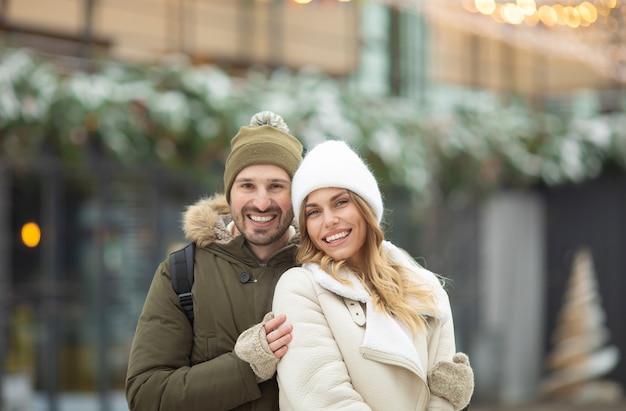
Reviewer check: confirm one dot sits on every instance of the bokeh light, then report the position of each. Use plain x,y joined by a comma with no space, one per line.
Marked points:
31,234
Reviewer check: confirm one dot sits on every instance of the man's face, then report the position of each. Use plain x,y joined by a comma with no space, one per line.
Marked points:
260,201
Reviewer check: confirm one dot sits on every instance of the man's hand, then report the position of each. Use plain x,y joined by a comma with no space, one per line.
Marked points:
278,334
254,345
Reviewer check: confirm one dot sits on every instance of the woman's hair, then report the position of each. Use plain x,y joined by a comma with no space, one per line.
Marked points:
391,285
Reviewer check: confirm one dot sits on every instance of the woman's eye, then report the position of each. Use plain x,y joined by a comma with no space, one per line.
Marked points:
311,212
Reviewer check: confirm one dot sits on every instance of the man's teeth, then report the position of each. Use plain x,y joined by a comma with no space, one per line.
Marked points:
260,219
336,236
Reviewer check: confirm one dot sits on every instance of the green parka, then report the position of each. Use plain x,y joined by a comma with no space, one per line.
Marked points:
173,366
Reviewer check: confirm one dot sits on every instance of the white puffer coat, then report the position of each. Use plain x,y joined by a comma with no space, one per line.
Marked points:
346,356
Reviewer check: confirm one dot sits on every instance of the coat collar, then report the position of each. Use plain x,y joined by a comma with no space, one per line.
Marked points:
355,290
384,333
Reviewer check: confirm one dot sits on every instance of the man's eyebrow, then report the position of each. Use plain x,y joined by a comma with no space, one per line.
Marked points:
280,180
269,180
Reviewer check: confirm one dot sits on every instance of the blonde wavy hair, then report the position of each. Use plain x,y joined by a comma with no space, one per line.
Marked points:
391,285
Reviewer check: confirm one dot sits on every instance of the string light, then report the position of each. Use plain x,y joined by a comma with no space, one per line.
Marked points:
591,31
581,14
309,1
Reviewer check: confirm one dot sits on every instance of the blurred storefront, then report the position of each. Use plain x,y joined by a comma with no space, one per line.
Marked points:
76,294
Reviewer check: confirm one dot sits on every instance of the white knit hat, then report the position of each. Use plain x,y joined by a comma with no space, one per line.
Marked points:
334,164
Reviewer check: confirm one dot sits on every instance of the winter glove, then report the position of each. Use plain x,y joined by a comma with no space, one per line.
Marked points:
453,380
252,347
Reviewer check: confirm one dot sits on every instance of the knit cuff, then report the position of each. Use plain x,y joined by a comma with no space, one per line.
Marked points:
252,347
453,380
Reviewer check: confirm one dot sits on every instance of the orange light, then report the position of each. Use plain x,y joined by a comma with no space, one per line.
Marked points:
485,6
31,234
588,12
548,15
511,13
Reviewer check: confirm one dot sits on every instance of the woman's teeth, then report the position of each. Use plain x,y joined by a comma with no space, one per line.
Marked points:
335,237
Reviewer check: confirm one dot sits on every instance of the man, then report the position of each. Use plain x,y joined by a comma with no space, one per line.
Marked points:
244,241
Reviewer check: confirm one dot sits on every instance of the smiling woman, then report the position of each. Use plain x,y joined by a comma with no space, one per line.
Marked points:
335,224
372,330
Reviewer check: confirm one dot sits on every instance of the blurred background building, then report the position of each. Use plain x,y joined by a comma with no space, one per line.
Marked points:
497,128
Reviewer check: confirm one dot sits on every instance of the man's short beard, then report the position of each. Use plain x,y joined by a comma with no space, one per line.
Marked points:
254,238
265,241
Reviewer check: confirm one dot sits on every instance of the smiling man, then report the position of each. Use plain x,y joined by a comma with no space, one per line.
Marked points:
261,211
244,242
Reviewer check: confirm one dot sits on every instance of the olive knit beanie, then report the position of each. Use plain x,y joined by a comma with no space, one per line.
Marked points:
265,141
334,164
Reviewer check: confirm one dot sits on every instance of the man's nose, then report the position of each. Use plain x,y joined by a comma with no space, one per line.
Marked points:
262,200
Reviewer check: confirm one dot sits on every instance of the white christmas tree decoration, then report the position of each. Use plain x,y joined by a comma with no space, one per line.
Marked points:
581,357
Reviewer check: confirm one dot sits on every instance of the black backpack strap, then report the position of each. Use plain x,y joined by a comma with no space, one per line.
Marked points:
181,266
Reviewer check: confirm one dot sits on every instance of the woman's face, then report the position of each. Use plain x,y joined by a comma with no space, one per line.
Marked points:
335,224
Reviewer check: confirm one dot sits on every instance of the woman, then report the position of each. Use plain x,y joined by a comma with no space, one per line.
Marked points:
372,330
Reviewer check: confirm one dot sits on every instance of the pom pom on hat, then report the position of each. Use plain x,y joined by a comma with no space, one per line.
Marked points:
334,164
271,119
265,141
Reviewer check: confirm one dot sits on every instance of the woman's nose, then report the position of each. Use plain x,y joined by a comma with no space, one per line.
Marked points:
330,219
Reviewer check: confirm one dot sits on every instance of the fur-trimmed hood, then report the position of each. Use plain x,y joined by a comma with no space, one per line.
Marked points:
209,221
206,221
